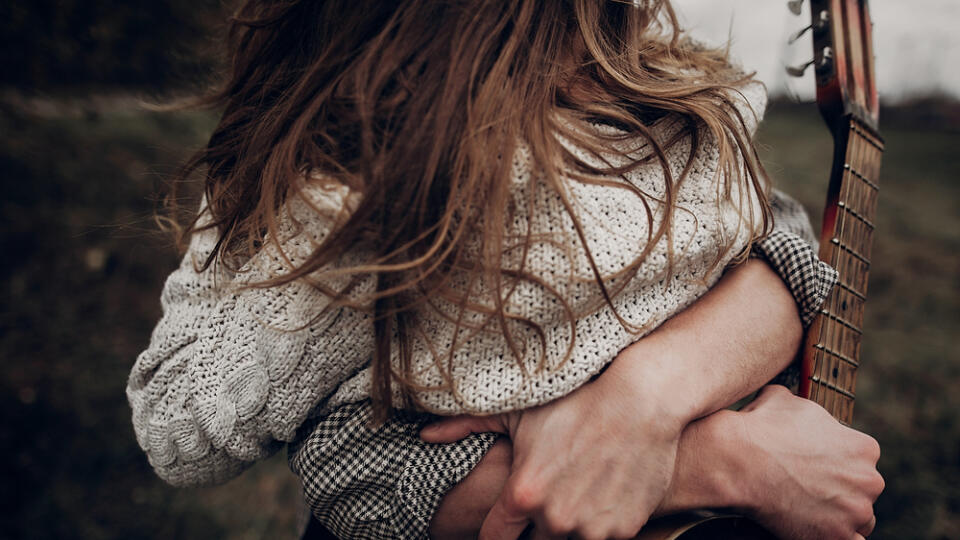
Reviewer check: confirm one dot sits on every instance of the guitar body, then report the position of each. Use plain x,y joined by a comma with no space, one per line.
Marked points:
704,526
848,102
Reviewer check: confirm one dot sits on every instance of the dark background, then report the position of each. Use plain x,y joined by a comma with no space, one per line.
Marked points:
83,161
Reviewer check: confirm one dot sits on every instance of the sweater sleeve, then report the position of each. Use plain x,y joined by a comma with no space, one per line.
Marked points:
231,371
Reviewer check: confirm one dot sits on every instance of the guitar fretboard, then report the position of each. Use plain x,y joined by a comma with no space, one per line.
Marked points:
832,353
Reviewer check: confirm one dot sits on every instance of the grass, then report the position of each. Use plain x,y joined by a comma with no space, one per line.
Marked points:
83,268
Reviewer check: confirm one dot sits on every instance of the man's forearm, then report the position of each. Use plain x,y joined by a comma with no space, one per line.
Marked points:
723,347
729,343
821,485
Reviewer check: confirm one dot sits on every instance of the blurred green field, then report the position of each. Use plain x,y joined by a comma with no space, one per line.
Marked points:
84,263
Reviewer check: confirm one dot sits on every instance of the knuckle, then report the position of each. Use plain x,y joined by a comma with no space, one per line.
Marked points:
879,485
523,497
862,513
873,449
557,522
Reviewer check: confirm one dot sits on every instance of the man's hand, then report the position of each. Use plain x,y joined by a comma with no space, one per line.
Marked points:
463,509
598,461
590,464
781,460
806,475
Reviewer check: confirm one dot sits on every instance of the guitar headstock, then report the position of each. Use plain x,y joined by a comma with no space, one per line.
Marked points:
843,60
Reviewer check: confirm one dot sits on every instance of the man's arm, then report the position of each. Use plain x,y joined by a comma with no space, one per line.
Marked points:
821,485
720,349
784,461
579,457
417,475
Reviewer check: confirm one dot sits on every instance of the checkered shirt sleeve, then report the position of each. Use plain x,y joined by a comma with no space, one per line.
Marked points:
384,482
791,250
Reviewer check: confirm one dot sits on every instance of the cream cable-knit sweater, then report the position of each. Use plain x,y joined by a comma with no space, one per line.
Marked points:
232,372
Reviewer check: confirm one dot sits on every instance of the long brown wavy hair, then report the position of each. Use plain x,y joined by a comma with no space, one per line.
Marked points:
416,105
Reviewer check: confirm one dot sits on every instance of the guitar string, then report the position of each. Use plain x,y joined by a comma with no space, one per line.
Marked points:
831,337
871,166
826,329
868,198
865,208
837,261
852,268
846,261
857,200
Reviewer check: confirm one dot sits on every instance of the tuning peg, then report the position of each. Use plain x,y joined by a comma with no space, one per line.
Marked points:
798,34
795,6
797,71
823,19
823,60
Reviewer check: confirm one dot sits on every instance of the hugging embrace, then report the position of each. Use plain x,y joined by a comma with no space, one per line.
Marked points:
494,267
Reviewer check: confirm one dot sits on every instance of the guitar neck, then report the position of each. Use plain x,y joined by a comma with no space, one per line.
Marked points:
832,350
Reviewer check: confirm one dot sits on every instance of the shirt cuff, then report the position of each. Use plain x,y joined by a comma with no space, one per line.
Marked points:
379,482
809,279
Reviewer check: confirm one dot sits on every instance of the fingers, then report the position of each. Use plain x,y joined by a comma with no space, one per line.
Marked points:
503,524
456,428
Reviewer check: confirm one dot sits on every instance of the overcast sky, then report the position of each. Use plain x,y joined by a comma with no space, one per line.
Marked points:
917,42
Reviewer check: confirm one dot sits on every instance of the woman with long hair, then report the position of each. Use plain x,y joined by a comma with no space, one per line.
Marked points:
475,207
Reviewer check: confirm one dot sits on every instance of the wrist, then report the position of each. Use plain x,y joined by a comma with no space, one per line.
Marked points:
712,467
654,372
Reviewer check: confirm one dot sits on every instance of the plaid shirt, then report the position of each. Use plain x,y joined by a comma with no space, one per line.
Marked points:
387,483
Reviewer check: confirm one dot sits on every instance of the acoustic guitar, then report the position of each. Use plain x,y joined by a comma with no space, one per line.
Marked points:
848,102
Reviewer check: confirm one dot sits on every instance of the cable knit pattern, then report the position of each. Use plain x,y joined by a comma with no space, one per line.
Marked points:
232,371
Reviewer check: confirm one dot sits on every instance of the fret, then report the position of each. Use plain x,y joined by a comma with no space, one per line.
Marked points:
865,136
855,214
835,354
860,175
852,270
846,306
848,324
840,338
843,339
851,290
837,374
853,232
816,379
838,404
836,241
